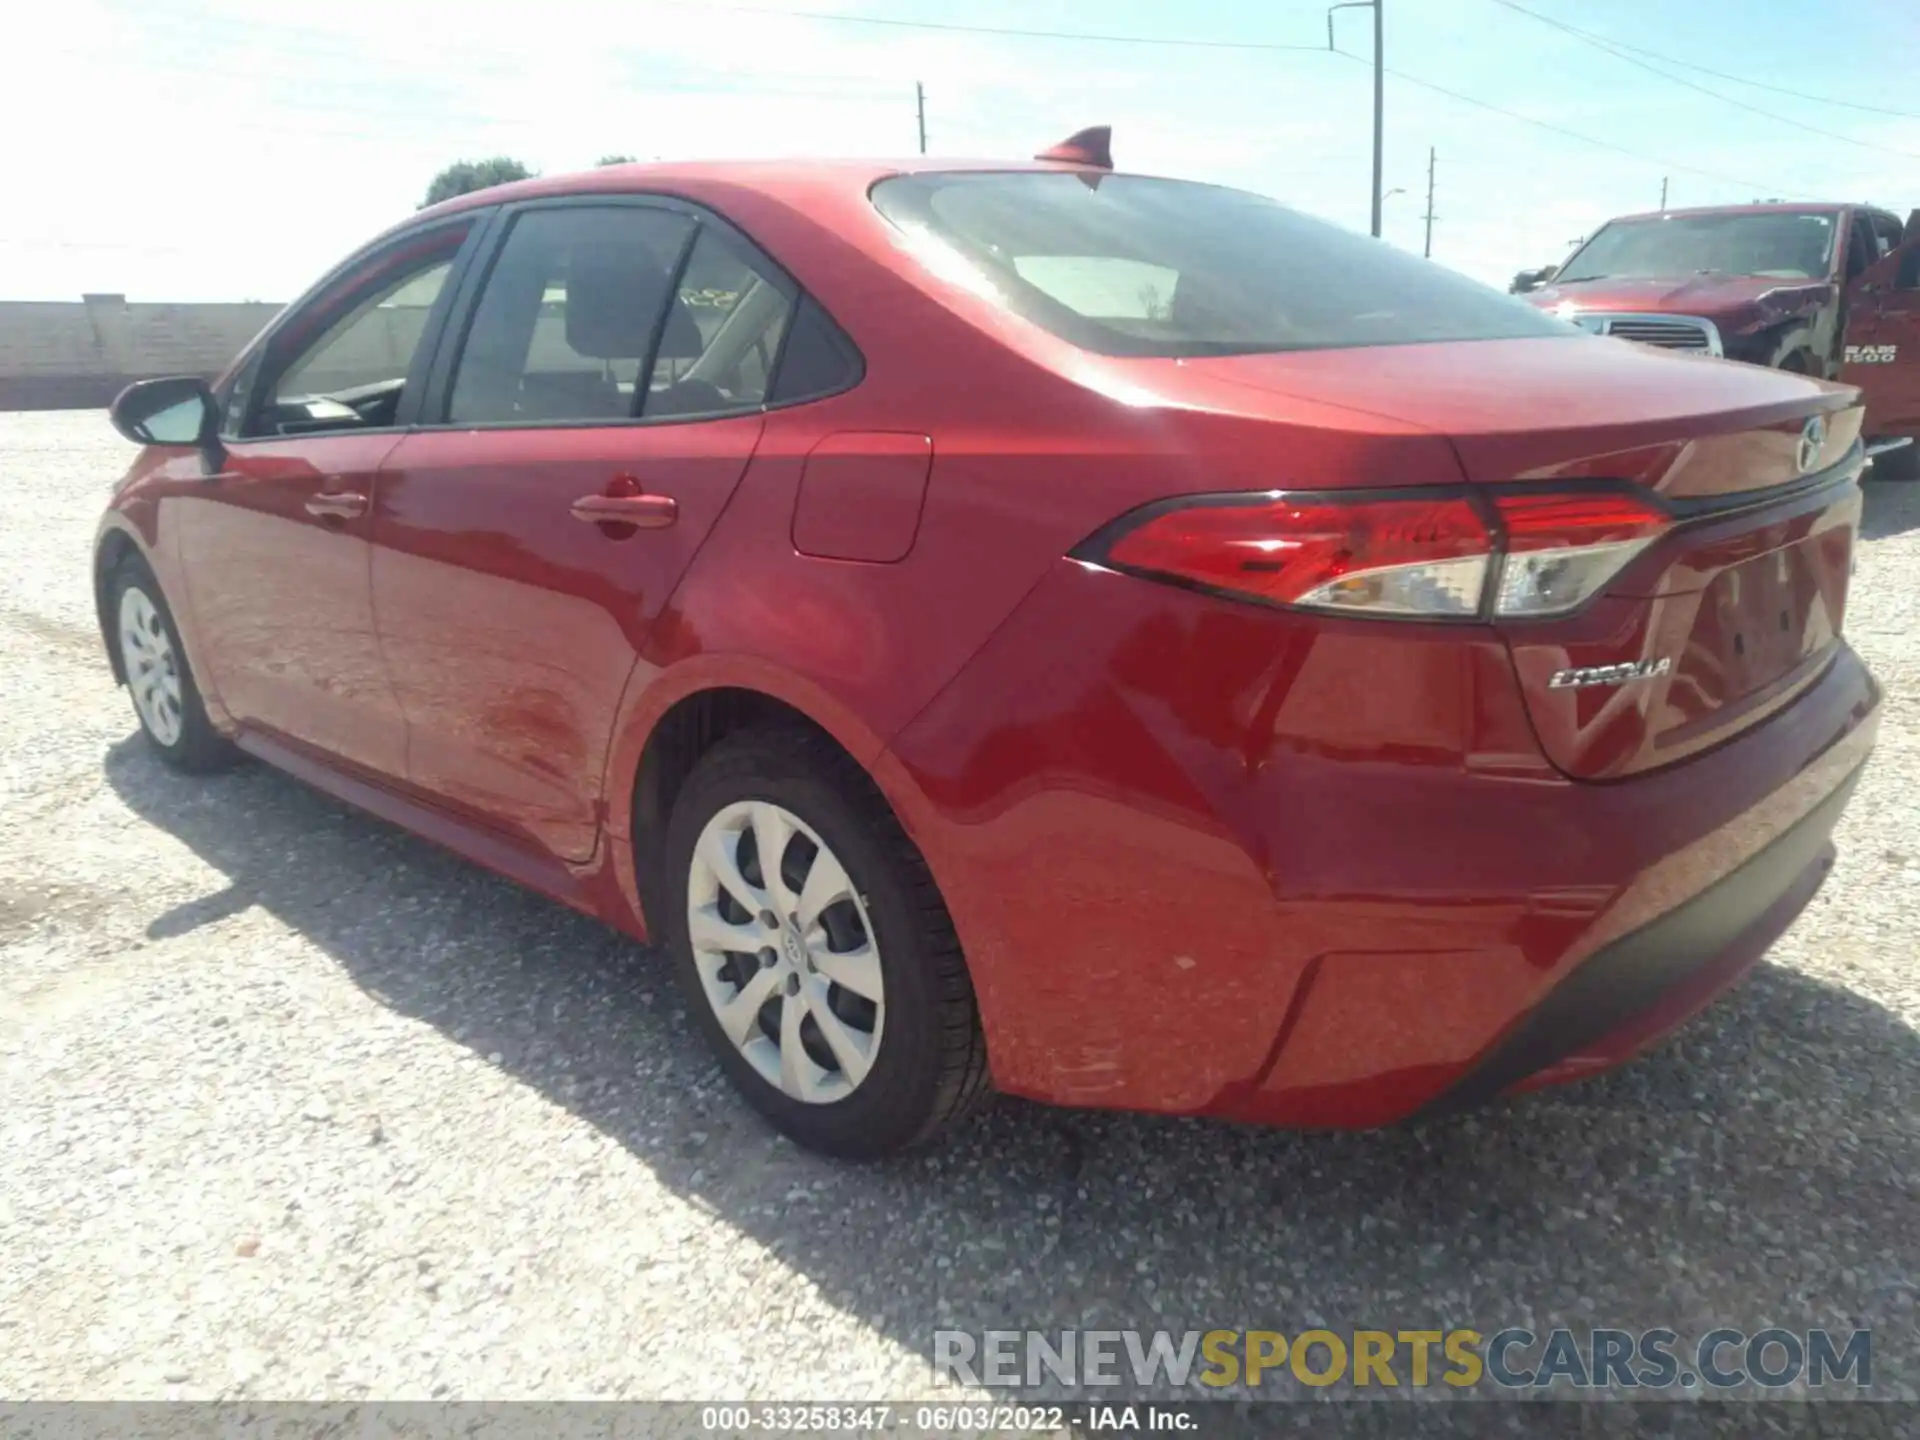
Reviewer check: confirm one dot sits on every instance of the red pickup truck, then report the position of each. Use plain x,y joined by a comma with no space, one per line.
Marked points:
1828,290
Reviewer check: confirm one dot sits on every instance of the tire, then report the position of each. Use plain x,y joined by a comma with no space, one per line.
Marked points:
1795,354
916,1057
166,700
1902,464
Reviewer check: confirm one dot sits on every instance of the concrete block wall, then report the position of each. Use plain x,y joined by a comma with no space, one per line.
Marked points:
57,355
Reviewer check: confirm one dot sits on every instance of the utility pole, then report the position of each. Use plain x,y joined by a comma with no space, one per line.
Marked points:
1428,249
1379,87
920,107
1379,104
1663,193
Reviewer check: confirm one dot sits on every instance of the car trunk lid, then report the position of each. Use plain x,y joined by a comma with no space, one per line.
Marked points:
1719,622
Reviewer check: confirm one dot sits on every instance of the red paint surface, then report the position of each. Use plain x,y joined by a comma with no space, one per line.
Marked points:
1884,311
1202,855
511,626
280,601
861,495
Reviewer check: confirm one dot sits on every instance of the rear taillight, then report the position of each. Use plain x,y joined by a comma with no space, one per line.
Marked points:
1561,548
1404,554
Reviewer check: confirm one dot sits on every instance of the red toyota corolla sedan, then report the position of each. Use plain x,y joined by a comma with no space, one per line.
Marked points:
1106,639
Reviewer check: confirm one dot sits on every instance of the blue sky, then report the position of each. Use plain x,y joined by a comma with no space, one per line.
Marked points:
234,149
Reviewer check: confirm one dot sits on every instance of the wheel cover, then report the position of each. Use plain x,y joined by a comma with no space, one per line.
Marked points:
785,951
153,671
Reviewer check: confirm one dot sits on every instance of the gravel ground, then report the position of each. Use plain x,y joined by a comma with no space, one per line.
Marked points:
295,1106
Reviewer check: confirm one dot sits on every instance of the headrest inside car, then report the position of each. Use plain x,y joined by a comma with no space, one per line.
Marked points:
614,295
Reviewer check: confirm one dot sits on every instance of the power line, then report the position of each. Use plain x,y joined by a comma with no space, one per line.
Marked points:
1222,45
1125,39
30,243
1563,130
775,12
810,87
1620,53
408,125
951,28
1618,45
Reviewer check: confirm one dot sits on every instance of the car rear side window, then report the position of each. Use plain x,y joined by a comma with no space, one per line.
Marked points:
566,322
1128,265
615,313
721,342
818,359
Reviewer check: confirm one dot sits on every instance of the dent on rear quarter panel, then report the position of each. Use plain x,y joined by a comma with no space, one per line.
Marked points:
1215,858
1121,781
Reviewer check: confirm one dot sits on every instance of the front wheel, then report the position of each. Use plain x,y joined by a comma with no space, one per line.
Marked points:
816,950
1795,354
165,698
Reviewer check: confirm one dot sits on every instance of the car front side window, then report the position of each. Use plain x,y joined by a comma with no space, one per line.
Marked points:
342,361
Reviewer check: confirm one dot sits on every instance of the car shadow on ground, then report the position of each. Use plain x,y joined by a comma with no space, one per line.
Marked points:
1758,1170
1892,508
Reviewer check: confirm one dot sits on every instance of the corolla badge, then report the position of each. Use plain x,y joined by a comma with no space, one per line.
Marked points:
1579,679
1813,439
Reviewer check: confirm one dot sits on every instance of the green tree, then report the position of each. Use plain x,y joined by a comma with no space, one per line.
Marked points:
465,176
614,160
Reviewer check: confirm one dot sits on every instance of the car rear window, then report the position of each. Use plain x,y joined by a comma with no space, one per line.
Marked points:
1127,265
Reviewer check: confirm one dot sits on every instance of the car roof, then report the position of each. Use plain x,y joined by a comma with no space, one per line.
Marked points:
789,180
1783,207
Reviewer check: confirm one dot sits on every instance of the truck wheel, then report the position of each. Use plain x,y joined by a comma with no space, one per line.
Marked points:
815,948
1795,354
1901,464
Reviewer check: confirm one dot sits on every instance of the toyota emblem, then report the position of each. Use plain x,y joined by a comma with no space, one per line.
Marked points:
1813,439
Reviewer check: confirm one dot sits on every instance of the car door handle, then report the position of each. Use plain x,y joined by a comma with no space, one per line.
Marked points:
643,512
341,505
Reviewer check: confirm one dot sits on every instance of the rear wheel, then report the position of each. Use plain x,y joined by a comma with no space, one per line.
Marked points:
816,950
165,698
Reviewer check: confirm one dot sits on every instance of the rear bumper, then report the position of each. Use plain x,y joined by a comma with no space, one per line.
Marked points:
1220,860
1638,988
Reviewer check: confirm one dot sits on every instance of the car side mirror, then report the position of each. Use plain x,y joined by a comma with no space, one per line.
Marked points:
179,410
